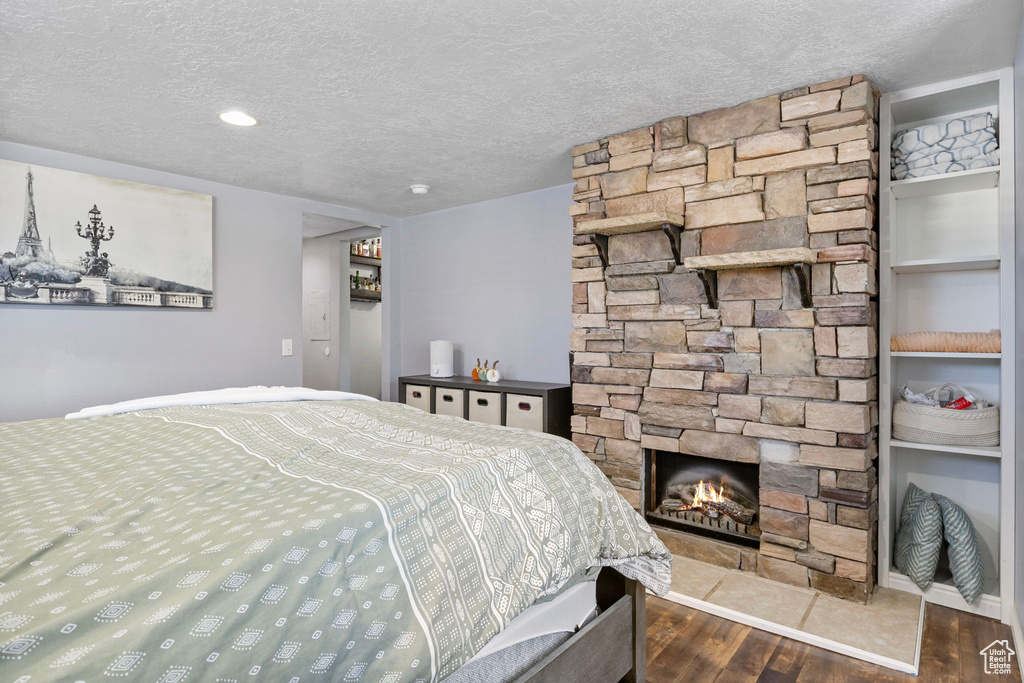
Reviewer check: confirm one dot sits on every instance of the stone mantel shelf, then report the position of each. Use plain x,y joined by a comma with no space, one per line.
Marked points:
798,258
623,225
768,258
599,230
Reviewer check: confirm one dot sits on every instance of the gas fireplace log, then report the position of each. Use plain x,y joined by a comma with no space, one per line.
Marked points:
727,507
735,505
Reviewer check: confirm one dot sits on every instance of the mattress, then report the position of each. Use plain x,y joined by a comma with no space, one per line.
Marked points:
530,637
565,613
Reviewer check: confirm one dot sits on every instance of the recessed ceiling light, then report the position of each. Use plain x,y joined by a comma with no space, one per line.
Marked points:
237,118
419,189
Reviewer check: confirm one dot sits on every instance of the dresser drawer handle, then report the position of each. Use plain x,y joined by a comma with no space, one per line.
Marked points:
523,405
447,398
417,394
481,401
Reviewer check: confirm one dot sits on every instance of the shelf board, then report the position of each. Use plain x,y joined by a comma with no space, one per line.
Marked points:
945,593
623,225
980,451
986,262
942,101
936,354
364,260
364,295
947,183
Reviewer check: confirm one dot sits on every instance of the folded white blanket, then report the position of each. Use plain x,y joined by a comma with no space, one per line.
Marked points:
258,394
958,154
976,138
934,133
990,159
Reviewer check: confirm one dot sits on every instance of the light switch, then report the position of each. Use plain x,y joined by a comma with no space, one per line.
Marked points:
286,347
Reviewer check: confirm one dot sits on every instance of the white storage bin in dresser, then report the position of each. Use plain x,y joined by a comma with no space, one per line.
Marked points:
449,401
418,397
485,406
526,412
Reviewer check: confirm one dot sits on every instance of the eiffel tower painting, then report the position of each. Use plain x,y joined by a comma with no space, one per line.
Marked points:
162,257
29,243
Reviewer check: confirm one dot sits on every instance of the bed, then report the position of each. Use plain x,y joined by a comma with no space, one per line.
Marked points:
272,535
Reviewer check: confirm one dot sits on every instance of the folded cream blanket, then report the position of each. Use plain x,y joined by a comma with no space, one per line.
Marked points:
948,342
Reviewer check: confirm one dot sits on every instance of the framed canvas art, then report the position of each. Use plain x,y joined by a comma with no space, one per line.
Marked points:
77,239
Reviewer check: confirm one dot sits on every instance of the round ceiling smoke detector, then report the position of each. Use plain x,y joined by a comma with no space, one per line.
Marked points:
419,189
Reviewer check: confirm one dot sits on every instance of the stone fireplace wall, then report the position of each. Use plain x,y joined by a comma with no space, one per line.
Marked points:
760,378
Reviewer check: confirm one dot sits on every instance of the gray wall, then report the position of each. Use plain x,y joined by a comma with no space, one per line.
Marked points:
54,360
492,277
1018,111
365,347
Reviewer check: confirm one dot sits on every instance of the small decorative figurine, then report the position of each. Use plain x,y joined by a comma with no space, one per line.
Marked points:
476,371
484,370
493,375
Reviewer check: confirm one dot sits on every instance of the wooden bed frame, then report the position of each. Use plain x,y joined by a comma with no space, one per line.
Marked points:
610,648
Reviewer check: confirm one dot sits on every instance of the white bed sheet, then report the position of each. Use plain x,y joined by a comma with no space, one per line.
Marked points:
566,612
258,394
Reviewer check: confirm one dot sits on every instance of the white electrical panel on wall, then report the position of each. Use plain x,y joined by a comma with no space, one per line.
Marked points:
319,316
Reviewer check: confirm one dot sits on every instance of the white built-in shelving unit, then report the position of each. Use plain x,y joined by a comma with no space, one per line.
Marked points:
946,247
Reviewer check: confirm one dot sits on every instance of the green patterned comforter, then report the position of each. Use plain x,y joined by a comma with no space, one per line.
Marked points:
305,541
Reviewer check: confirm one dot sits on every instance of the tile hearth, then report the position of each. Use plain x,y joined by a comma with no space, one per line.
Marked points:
887,628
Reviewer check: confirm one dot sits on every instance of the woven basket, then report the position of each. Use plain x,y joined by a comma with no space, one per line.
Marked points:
945,426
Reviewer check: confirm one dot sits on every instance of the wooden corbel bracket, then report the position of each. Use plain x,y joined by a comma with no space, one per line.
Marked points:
601,242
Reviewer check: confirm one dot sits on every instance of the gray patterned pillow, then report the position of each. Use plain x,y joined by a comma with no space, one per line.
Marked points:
964,554
919,538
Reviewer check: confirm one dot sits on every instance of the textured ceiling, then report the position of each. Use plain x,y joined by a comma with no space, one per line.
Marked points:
357,100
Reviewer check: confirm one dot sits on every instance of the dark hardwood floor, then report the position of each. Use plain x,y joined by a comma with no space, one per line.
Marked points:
689,646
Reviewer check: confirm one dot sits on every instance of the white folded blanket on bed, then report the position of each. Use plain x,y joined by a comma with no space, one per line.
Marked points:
258,394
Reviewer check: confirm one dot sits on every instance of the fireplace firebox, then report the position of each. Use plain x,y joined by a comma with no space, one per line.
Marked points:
706,496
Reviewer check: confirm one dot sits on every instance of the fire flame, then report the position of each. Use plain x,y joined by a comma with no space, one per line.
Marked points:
706,492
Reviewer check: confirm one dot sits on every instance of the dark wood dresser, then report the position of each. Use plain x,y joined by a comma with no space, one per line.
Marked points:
541,406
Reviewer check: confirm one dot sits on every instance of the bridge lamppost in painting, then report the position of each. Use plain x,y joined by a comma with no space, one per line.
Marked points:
94,263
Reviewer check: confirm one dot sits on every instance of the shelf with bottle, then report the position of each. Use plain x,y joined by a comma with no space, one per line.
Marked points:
364,288
366,251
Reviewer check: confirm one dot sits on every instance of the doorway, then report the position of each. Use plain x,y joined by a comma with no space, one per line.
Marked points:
342,322
365,318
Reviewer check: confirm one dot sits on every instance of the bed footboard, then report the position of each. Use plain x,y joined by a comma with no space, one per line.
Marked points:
610,648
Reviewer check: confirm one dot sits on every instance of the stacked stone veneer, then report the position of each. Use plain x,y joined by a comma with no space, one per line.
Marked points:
760,378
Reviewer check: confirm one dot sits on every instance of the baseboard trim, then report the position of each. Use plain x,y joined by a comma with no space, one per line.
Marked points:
803,636
1018,635
949,596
